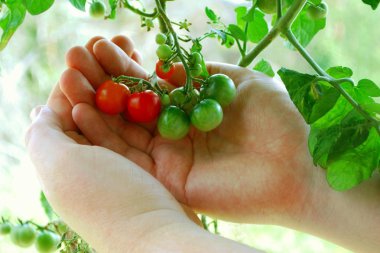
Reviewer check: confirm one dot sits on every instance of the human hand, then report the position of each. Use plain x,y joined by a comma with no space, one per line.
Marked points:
252,168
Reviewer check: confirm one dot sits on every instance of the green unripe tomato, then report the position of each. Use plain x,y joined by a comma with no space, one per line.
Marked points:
61,226
165,100
207,115
220,88
5,228
318,12
97,9
161,38
267,6
178,98
196,58
196,70
47,242
173,123
23,235
164,52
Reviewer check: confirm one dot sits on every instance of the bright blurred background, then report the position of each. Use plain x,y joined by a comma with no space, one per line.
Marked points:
35,57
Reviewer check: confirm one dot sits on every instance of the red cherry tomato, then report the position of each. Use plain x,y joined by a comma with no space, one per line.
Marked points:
163,71
143,107
111,97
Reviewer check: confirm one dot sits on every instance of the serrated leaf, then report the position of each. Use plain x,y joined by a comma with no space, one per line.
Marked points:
237,32
369,88
355,165
313,99
373,3
79,4
36,7
257,26
264,67
340,72
305,27
10,20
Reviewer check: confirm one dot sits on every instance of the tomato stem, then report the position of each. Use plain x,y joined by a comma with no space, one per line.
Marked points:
282,25
140,12
166,20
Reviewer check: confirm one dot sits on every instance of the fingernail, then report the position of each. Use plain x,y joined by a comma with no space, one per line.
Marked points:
34,113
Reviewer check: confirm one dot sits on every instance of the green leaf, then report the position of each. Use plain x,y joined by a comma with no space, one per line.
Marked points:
212,15
257,25
264,67
355,165
369,88
371,107
47,207
313,99
340,72
11,19
79,4
305,28
36,7
226,39
373,3
237,32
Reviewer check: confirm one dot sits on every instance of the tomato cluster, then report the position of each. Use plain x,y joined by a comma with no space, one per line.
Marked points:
25,235
114,98
175,111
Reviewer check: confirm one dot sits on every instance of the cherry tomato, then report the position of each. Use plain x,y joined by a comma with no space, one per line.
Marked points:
196,70
47,242
207,115
196,58
97,9
164,71
173,123
220,88
60,226
161,38
318,12
5,228
164,52
23,235
143,107
179,98
267,6
111,97
165,100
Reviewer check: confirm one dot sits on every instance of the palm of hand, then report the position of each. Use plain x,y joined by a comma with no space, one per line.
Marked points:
254,158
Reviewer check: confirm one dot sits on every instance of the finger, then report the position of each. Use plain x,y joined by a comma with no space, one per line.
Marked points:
59,103
91,42
76,87
137,57
125,44
78,138
96,130
115,61
81,59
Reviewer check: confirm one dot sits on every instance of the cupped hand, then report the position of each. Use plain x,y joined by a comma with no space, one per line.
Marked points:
252,168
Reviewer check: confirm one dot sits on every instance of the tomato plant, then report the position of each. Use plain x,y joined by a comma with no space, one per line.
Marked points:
111,97
220,88
47,242
23,235
185,101
143,107
5,228
164,52
173,123
207,115
164,70
97,9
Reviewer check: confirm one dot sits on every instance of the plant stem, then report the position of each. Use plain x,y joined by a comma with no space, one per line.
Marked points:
162,25
282,25
166,20
279,9
293,40
139,12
